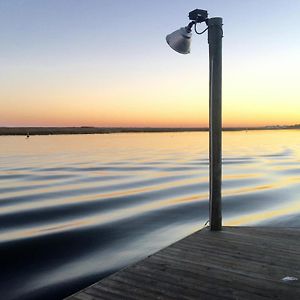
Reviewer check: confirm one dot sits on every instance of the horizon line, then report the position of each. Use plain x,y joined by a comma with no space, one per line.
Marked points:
27,131
148,127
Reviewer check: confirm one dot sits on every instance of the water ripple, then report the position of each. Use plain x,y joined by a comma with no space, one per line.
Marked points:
74,209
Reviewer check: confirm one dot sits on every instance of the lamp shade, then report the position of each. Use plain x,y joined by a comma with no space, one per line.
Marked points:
180,40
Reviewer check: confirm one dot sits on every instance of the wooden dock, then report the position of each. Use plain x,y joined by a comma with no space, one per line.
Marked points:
236,263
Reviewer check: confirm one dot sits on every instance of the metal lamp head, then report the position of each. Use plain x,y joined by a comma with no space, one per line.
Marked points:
180,40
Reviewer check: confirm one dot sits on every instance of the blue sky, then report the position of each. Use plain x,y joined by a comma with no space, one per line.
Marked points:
59,54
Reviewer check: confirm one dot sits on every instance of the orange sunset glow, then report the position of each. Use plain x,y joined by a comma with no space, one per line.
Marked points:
87,73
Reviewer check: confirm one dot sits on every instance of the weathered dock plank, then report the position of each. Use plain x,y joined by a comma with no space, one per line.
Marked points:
236,263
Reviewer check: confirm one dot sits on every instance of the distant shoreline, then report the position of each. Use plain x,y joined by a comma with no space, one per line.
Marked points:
108,130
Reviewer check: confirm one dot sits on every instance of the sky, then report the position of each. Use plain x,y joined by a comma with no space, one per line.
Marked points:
106,63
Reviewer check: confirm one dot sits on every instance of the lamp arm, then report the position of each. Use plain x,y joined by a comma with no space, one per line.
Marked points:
190,26
194,23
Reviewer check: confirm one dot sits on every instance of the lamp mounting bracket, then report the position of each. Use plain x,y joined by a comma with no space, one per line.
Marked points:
198,15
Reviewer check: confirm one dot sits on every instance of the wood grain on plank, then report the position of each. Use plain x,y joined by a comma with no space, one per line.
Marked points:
236,263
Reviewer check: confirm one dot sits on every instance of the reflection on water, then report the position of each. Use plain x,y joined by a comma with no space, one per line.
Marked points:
76,208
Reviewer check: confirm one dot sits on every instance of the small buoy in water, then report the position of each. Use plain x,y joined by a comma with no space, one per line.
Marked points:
289,278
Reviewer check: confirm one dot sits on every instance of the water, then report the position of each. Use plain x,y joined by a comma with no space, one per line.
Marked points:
76,208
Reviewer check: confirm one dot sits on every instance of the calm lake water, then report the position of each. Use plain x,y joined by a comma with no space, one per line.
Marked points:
76,208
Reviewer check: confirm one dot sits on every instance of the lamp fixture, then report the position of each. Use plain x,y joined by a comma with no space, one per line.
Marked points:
180,41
